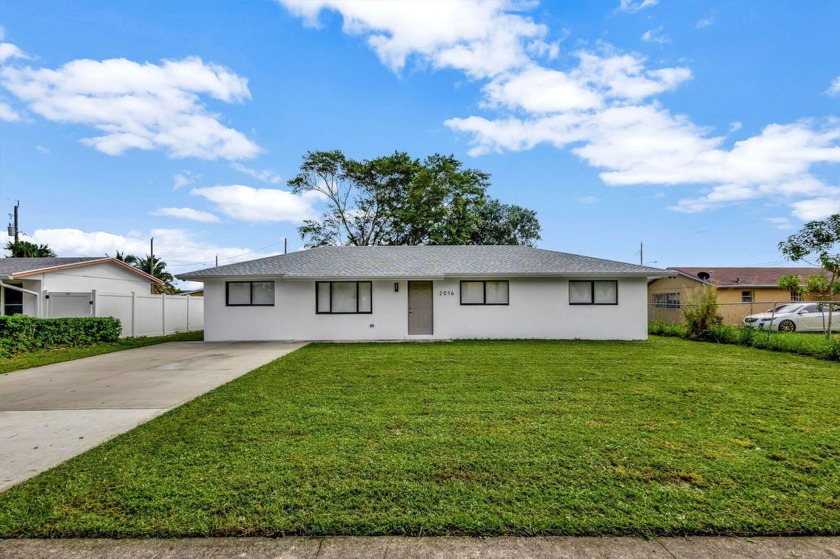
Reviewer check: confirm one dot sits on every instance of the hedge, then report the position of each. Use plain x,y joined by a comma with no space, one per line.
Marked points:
20,333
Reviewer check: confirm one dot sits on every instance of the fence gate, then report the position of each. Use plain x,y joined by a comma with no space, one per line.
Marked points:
72,305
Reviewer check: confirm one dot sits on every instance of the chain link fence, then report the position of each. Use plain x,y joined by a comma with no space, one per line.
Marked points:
801,316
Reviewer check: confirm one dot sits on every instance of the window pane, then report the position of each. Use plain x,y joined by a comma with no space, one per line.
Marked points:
580,292
472,292
263,293
497,293
606,292
239,293
323,294
364,296
344,296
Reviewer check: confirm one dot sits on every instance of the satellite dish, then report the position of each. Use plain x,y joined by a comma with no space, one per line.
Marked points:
704,276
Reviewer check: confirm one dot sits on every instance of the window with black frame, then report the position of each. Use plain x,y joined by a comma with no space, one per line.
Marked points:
249,293
343,297
495,292
593,292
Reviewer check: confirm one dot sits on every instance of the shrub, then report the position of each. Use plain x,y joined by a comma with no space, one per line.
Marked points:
19,333
700,314
662,328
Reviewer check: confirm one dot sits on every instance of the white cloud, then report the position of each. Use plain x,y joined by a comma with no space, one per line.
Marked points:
588,199
266,175
655,36
818,208
782,223
625,76
43,149
139,106
7,113
636,5
705,22
540,90
260,204
834,88
8,51
480,38
183,179
187,213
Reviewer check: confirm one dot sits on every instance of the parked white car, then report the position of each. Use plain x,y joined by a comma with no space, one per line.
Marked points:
797,317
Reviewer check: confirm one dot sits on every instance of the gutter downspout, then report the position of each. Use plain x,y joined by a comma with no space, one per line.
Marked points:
22,290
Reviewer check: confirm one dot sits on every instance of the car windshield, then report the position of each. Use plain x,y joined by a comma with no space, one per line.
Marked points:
784,309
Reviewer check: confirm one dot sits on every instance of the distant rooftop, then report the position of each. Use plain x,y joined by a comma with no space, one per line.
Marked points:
423,262
753,277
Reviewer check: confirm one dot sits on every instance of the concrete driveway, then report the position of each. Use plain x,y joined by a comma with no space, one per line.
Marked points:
50,414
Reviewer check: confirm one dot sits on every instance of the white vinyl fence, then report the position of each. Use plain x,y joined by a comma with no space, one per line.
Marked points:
140,314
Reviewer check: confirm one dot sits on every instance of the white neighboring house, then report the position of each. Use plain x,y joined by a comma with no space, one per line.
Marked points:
425,293
26,282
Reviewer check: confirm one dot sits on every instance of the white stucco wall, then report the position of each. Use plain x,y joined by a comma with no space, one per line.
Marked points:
539,308
101,277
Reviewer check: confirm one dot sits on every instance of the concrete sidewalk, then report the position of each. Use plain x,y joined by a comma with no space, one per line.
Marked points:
427,548
50,414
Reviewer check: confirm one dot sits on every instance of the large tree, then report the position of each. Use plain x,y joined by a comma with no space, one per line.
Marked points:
504,224
25,249
818,243
399,200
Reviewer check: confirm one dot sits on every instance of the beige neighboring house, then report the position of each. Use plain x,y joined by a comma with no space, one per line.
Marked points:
740,291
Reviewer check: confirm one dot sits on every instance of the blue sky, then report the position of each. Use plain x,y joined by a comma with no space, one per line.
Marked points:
709,131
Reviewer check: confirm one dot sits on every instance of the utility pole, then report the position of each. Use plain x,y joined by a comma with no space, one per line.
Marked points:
641,254
285,245
14,229
217,260
17,228
152,258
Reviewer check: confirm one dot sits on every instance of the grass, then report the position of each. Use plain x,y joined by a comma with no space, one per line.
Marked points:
664,437
49,356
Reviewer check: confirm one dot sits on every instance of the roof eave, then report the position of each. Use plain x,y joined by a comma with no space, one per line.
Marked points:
50,269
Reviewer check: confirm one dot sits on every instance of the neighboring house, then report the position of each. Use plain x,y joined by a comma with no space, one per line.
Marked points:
740,291
25,283
193,293
425,292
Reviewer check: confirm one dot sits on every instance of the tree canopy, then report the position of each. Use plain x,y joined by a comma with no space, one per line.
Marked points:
154,267
26,249
399,200
818,242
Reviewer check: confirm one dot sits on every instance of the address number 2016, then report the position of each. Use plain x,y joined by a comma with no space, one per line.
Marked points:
446,292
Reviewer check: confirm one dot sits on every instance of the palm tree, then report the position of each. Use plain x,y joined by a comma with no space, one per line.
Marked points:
154,267
25,249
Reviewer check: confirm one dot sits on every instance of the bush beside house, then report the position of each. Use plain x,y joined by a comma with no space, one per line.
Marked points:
20,333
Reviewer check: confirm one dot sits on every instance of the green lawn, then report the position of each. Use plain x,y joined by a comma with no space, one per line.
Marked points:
649,438
49,356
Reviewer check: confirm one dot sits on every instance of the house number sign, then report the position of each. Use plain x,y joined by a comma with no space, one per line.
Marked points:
446,292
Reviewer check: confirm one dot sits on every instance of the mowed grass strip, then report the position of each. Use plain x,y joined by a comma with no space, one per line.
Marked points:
662,437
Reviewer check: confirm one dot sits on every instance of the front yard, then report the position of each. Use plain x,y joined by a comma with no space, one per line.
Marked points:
646,438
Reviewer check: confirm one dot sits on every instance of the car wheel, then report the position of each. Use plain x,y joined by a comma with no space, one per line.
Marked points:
787,326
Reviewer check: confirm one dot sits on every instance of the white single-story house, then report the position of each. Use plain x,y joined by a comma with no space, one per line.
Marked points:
26,283
425,293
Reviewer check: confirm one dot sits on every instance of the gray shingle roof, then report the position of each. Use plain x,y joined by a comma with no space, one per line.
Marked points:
423,262
9,266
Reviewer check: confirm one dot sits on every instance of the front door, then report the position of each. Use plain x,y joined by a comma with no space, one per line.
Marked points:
420,311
